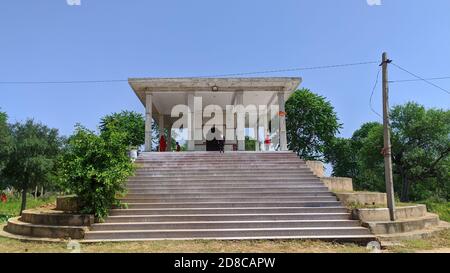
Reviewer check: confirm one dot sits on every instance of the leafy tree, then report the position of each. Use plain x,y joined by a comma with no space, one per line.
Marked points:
311,124
32,160
95,168
420,154
5,146
421,146
128,122
343,153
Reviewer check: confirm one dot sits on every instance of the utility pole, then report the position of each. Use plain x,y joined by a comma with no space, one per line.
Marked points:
387,140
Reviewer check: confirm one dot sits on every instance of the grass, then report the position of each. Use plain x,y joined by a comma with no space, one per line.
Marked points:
433,244
12,207
439,242
441,209
197,246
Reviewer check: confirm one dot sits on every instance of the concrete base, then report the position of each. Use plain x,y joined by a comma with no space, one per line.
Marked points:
316,167
50,224
363,198
15,226
56,218
413,235
413,222
382,214
69,203
338,184
401,226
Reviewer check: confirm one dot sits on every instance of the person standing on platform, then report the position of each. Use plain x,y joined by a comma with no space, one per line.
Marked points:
162,144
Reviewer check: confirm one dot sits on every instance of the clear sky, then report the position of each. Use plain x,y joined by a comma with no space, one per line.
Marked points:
48,40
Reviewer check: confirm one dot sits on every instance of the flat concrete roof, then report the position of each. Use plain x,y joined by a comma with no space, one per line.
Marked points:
168,92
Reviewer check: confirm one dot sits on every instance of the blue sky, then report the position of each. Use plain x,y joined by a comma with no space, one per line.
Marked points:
48,40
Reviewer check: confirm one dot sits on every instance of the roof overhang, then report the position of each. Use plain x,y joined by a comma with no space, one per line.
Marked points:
214,85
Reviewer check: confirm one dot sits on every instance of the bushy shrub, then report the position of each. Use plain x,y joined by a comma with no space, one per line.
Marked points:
95,167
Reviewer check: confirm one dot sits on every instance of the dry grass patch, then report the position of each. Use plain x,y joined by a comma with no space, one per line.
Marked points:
196,246
439,241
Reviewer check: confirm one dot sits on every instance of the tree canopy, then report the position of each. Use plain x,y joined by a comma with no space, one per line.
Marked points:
5,146
311,124
32,160
420,153
132,124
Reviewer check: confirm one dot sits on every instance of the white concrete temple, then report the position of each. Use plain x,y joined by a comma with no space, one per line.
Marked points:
160,95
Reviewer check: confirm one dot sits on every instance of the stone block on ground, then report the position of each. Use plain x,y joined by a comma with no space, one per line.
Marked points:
338,184
316,167
69,203
382,214
362,198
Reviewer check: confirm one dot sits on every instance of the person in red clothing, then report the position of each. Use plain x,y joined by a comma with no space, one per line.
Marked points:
162,144
3,198
267,142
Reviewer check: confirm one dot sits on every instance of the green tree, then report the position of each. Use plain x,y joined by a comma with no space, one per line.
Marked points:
95,168
130,123
343,153
311,124
32,160
420,153
5,146
421,145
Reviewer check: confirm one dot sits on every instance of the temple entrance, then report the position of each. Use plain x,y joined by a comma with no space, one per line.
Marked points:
214,144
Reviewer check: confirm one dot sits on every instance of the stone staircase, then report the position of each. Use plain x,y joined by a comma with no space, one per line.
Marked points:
236,195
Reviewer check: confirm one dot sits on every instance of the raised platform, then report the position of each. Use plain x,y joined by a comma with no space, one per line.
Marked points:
50,224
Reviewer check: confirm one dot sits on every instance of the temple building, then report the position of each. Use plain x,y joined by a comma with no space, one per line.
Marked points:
160,96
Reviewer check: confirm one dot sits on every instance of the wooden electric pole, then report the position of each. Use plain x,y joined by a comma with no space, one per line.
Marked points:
387,140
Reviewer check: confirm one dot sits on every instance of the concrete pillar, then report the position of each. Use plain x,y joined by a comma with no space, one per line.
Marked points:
257,136
148,122
161,127
240,101
169,137
191,123
283,136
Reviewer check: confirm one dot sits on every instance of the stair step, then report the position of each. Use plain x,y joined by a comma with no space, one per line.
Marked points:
140,199
193,185
190,211
229,195
16,226
137,205
224,179
224,224
189,190
221,233
228,217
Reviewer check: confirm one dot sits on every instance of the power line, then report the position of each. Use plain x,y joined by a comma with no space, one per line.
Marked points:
291,69
416,80
420,78
211,76
63,82
371,95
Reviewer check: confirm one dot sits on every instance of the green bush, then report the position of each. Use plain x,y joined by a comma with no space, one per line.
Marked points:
95,168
